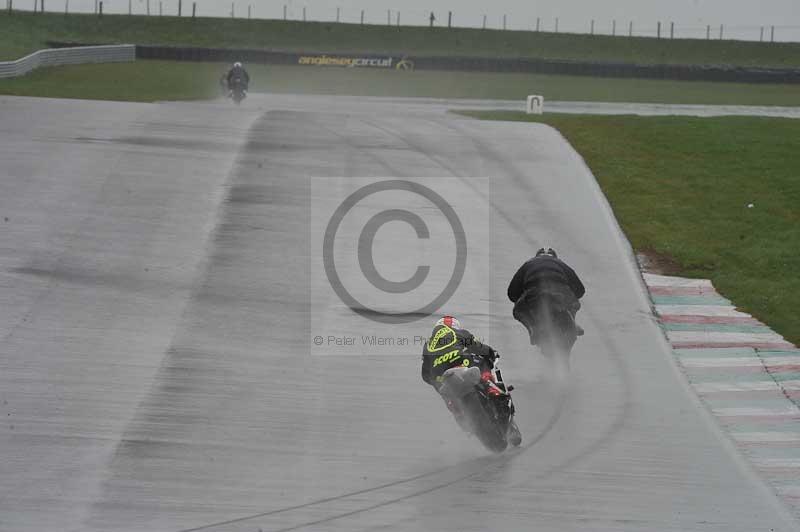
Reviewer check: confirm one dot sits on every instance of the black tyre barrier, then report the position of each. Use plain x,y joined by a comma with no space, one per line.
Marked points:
479,64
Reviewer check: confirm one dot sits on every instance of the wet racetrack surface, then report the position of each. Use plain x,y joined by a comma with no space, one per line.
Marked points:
159,288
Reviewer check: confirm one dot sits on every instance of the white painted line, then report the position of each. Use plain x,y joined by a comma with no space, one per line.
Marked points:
722,337
776,462
792,385
789,410
728,362
661,280
773,437
782,361
700,310
746,386
753,386
716,352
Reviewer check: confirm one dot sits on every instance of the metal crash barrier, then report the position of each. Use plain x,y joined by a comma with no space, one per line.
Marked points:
68,56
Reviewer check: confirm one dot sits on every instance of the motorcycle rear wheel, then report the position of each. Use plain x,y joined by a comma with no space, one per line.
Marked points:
485,427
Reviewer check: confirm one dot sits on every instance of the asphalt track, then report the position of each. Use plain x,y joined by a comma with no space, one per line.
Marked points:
569,107
156,368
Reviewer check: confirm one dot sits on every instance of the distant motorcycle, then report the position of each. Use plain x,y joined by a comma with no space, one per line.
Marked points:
237,90
484,403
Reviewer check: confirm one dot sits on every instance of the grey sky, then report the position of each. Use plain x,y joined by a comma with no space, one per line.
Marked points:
741,19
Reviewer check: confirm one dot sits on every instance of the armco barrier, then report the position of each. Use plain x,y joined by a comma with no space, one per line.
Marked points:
68,56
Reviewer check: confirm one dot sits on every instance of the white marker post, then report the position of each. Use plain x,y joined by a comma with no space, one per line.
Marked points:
535,105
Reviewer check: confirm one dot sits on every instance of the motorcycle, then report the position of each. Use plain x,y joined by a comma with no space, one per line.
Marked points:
237,90
482,404
550,324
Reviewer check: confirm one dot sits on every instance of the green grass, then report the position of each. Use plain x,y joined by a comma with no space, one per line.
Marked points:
140,81
680,187
163,80
22,33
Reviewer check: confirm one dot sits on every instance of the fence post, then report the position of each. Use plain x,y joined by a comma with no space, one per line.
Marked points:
66,7
708,32
130,7
630,29
337,14
180,7
284,11
362,15
772,34
484,22
101,8
10,6
304,14
388,17
194,9
720,31
449,19
556,24
671,30
504,22
398,19
148,8
761,35
538,21
658,31
34,5
591,29
160,8
614,28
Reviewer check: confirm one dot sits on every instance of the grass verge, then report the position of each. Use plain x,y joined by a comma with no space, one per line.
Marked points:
22,33
680,187
165,80
140,81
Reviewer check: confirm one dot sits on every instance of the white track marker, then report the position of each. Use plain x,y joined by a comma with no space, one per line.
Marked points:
766,437
755,411
702,337
741,386
728,362
700,310
653,280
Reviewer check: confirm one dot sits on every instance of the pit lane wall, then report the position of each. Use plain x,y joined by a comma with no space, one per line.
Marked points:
746,375
67,56
475,64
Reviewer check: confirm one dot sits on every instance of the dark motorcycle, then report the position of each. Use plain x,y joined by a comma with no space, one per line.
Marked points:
482,404
237,90
551,325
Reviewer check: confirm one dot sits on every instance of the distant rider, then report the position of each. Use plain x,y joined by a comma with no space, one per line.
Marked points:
451,346
238,72
545,275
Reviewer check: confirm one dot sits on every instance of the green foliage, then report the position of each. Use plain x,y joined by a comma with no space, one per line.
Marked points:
681,187
22,33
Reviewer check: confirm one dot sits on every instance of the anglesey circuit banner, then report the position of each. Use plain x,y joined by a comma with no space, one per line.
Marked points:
364,61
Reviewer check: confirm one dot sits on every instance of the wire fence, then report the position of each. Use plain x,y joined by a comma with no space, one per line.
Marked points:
290,10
